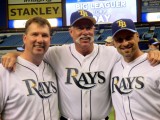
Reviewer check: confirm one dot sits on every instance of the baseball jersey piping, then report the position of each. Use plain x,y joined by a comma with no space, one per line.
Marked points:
37,81
135,66
128,76
121,96
81,104
48,99
43,109
93,59
90,106
81,66
73,55
124,111
90,90
89,70
130,108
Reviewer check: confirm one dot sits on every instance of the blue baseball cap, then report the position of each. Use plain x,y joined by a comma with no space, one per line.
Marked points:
153,41
81,14
123,24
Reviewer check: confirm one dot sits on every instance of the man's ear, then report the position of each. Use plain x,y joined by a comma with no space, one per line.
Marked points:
24,38
70,31
137,34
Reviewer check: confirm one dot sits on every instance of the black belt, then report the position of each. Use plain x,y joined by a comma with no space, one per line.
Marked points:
63,118
107,118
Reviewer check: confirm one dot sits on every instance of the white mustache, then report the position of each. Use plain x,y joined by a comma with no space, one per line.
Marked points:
85,38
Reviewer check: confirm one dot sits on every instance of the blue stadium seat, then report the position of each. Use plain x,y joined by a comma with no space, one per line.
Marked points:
13,40
62,37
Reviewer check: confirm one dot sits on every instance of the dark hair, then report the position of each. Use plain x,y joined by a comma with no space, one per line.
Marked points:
40,21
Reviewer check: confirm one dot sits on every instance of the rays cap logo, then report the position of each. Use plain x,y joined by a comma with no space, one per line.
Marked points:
81,14
123,24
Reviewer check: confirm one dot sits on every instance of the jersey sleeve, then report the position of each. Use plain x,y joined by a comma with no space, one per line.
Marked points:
158,79
49,55
115,53
53,55
2,87
118,56
1,94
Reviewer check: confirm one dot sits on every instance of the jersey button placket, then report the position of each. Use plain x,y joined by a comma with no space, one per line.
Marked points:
85,105
86,94
125,96
126,106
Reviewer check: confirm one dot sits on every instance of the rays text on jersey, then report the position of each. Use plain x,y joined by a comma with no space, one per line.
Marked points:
43,89
86,80
127,84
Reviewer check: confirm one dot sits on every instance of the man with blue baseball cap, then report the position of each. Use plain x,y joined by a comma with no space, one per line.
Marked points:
83,76
134,82
84,86
125,28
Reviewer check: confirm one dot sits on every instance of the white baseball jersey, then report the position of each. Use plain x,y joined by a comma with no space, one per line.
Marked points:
83,81
29,93
135,89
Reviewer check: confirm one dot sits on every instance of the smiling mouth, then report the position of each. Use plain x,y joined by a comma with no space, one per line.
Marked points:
39,46
85,38
127,47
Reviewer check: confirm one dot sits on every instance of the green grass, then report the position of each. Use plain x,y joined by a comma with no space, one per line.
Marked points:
111,116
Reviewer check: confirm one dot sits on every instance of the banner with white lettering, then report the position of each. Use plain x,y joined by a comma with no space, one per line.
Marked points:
104,11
